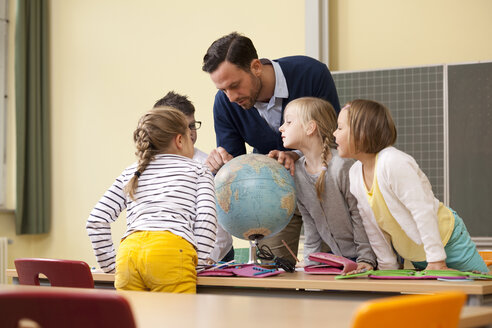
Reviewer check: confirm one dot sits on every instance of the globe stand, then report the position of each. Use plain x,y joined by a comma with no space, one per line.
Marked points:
253,246
252,252
266,254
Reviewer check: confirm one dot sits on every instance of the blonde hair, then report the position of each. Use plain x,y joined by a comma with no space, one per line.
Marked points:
371,126
323,114
154,134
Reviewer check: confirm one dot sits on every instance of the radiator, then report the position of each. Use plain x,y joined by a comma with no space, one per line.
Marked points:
4,241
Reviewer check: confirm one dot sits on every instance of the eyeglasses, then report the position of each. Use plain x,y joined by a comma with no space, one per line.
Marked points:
195,126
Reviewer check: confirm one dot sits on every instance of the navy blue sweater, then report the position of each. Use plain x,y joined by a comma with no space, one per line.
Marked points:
305,76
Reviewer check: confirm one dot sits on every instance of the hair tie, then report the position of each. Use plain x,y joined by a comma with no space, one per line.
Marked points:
346,106
323,168
138,174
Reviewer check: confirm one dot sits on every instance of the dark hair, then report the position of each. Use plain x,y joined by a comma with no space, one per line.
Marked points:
234,48
175,100
371,126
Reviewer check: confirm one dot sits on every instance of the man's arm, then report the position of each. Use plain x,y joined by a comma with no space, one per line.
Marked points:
225,125
323,85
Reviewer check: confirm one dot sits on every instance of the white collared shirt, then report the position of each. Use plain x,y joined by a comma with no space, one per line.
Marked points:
272,111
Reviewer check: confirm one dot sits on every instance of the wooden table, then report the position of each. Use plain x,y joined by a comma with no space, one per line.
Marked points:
479,292
179,310
303,285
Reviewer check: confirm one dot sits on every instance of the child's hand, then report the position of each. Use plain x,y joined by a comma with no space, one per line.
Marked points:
301,264
440,265
361,267
209,261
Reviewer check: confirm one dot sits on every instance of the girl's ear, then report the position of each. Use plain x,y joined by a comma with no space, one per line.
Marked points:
311,127
178,141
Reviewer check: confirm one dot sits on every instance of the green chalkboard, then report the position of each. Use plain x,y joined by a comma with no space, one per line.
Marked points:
470,145
443,115
415,98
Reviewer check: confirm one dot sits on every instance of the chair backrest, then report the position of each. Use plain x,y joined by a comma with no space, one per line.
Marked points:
487,257
440,310
60,273
54,308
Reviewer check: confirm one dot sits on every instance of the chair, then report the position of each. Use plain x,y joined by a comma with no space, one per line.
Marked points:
487,257
440,310
50,308
60,273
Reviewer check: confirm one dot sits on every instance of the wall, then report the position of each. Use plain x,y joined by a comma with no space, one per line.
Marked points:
384,33
112,59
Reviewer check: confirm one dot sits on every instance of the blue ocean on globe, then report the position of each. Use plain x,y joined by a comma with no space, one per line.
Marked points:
256,196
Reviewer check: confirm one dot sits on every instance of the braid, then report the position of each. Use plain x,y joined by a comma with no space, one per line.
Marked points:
320,183
145,153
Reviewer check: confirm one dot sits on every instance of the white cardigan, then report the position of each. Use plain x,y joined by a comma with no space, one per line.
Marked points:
409,197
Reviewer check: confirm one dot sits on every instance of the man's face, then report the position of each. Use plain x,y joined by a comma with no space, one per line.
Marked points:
240,86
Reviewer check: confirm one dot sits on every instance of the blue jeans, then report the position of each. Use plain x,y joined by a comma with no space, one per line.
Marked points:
461,251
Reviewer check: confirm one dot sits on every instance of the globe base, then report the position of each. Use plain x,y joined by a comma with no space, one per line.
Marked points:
256,237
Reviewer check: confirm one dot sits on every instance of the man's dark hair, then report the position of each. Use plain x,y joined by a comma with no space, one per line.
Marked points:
172,99
234,48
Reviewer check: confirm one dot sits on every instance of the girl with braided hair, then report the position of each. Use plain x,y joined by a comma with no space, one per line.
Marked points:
170,210
329,211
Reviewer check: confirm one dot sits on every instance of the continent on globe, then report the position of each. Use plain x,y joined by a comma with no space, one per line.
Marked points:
256,196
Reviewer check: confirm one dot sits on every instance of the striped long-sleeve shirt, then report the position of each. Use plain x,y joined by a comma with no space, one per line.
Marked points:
174,194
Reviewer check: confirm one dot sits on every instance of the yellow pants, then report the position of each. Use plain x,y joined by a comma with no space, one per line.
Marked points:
159,261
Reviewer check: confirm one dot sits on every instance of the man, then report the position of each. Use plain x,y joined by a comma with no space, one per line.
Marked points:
223,249
249,106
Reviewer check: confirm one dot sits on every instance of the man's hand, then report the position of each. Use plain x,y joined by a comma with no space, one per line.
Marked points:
286,158
217,158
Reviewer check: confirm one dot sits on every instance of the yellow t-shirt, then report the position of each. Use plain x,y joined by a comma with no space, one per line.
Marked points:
403,245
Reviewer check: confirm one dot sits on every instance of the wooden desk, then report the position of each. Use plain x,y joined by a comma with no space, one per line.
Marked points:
479,292
303,285
179,310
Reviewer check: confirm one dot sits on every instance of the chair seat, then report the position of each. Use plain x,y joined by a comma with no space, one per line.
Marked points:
487,257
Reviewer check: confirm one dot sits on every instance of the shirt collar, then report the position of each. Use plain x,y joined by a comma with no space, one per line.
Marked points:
281,90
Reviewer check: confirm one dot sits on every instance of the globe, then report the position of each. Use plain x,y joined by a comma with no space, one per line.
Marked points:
255,196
